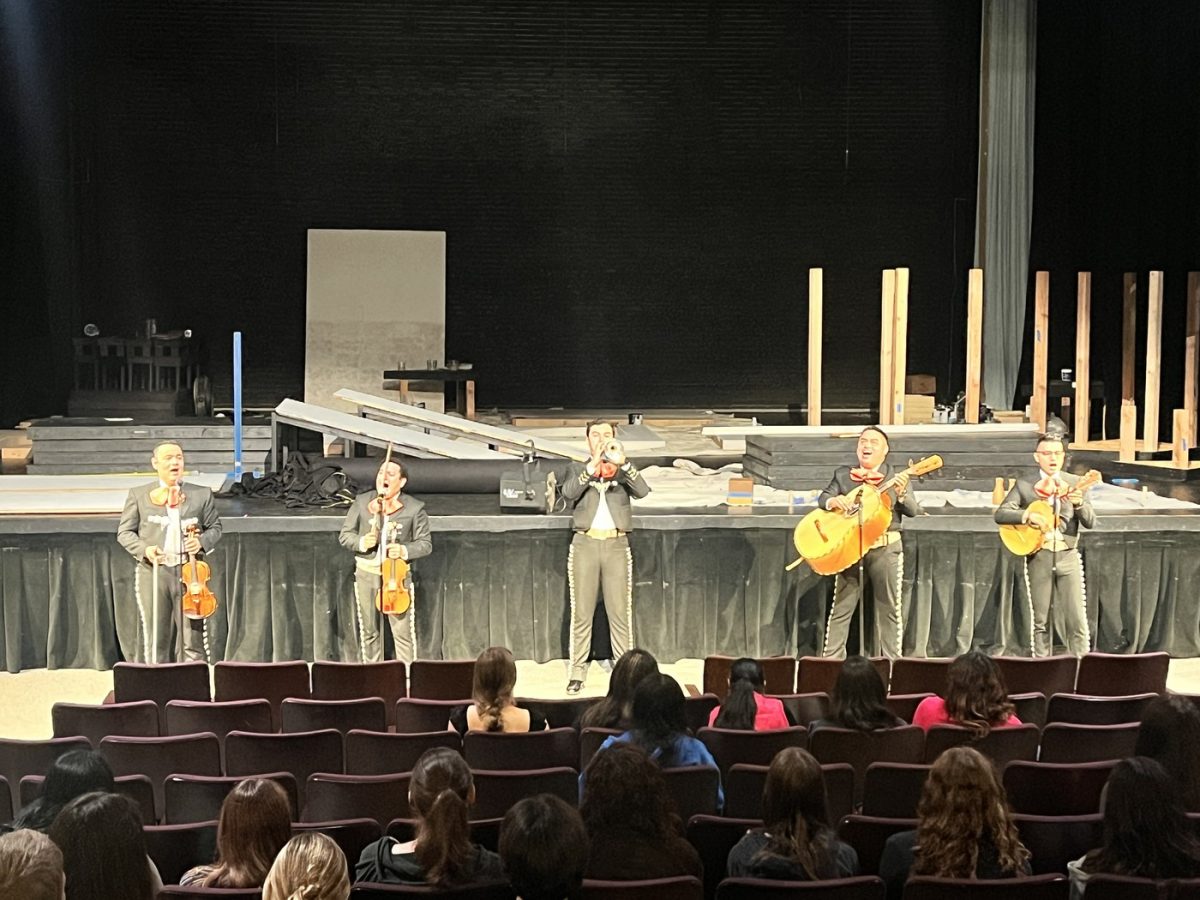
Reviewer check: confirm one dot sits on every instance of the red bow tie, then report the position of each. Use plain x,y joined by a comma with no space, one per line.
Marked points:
1051,487
869,476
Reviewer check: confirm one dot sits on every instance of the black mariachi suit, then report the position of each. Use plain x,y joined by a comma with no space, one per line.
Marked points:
883,566
144,524
407,526
1054,573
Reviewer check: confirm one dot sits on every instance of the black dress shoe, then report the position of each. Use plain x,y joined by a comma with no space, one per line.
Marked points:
574,686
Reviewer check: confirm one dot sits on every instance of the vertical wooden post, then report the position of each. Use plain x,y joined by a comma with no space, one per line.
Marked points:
1041,348
974,344
816,297
1191,344
1083,344
899,346
1128,446
887,334
1181,425
1129,338
1153,362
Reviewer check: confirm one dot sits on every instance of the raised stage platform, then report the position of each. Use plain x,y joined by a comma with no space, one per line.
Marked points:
706,581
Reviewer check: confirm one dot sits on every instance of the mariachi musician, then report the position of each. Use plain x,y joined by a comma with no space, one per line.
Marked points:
1053,574
161,524
882,562
404,534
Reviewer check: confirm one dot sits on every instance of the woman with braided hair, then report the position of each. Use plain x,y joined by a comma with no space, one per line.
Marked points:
311,866
492,689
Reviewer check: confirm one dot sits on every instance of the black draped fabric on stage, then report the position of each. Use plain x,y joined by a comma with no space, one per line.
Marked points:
65,598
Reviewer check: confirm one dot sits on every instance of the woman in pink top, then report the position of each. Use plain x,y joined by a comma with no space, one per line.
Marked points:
745,708
976,697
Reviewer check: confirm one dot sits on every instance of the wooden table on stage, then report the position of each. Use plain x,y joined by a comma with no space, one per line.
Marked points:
462,379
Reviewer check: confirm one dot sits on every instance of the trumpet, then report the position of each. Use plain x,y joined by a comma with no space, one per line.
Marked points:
614,451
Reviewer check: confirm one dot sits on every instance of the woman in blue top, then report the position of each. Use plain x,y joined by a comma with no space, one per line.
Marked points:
659,726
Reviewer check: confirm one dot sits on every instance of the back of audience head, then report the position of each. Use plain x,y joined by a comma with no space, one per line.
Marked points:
544,848
103,848
616,709
794,813
962,806
859,698
1170,733
739,708
976,696
440,794
625,791
31,866
659,717
492,686
309,867
75,773
1146,831
256,821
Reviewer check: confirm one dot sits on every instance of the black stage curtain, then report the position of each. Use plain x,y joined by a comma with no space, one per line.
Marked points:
65,598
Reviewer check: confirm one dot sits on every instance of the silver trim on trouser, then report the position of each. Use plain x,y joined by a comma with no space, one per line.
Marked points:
1032,612
137,596
899,603
1083,611
571,622
829,618
629,595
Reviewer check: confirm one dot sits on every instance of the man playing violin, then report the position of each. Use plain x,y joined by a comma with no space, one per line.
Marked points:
600,556
1054,574
883,562
156,528
385,522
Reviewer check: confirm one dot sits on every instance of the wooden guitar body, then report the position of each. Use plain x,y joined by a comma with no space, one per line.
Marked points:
1024,540
829,540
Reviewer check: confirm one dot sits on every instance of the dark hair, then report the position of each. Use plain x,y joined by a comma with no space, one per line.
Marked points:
1170,733
625,791
104,850
592,423
976,697
492,686
879,431
659,717
256,821
544,848
439,795
859,698
1054,437
740,708
75,773
795,818
615,710
1146,831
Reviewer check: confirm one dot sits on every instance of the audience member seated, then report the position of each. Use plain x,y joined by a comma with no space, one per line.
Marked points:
976,698
745,708
965,827
659,726
859,699
495,680
311,866
31,866
72,775
104,850
440,793
795,842
1170,733
1146,830
256,822
616,709
631,820
544,848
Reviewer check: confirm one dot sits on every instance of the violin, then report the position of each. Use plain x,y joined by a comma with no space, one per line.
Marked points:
198,601
393,598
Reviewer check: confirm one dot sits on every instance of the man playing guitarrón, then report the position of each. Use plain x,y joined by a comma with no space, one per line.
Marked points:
1053,574
883,563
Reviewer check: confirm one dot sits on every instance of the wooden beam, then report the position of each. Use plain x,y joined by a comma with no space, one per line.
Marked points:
1153,362
1181,426
1191,346
887,334
1083,354
1129,338
974,345
899,346
1127,449
1041,349
816,297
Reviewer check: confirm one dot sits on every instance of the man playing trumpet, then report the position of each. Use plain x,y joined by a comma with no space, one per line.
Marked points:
599,556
